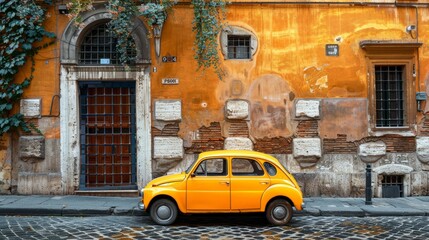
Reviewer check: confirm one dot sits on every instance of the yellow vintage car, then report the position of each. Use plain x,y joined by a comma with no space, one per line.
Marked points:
225,181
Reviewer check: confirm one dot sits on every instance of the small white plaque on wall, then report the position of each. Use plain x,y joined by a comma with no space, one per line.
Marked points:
237,109
307,108
167,148
307,147
31,108
238,143
168,110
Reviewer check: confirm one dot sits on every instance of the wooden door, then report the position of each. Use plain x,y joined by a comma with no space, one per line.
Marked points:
107,128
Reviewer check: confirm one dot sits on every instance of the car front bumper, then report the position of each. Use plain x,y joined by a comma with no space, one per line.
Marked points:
140,206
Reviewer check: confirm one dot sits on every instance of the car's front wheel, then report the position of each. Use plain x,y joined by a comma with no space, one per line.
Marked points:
279,212
163,212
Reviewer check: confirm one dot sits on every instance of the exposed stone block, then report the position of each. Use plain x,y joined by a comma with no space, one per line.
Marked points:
168,110
31,147
238,143
419,183
334,184
39,183
422,149
307,108
336,163
307,151
237,109
372,151
358,182
162,166
167,148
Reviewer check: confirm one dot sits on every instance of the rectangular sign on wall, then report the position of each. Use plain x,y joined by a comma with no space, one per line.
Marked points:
332,50
31,108
170,81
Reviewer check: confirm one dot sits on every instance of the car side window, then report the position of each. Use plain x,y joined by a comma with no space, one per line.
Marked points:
212,167
272,171
246,167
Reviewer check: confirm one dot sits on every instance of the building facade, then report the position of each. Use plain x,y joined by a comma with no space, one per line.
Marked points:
326,87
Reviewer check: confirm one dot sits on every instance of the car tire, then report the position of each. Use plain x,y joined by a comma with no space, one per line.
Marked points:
163,212
279,212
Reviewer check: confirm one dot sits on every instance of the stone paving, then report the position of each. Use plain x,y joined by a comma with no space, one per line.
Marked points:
213,227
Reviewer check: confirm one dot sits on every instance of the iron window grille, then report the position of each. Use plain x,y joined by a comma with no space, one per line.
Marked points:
389,81
99,47
392,186
238,47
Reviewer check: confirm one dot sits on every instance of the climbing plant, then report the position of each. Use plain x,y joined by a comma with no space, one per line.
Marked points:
121,24
208,17
21,33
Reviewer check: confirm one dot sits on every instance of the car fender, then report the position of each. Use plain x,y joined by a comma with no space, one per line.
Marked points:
282,190
179,196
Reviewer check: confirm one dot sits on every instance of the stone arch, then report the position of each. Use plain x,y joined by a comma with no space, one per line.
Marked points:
393,169
73,34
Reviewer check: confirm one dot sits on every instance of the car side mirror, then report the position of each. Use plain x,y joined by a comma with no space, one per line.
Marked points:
192,174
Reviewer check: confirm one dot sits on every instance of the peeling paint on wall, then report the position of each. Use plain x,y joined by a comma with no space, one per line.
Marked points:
271,104
344,116
316,78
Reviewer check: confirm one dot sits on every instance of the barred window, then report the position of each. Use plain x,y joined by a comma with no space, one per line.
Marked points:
238,47
99,47
390,109
392,92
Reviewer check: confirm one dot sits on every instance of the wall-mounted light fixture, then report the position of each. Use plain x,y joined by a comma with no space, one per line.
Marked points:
410,28
420,97
62,9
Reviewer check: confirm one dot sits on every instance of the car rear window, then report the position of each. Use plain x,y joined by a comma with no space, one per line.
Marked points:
272,171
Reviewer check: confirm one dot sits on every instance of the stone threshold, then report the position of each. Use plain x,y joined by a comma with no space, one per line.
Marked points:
108,193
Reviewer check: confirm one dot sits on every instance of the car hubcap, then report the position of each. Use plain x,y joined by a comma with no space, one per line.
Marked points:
279,212
163,212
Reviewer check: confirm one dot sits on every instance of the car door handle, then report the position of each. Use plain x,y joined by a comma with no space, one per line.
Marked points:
263,182
226,182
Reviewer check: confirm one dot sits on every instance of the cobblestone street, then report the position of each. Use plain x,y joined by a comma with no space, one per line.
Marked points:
213,227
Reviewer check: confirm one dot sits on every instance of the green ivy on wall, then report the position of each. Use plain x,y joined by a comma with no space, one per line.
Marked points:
208,17
21,28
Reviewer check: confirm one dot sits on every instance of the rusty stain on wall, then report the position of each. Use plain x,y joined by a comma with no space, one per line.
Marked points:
270,107
344,116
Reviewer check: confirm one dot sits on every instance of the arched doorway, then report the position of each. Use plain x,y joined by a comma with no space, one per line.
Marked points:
105,109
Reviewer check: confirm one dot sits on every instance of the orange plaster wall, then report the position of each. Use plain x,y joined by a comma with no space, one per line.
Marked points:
45,84
290,61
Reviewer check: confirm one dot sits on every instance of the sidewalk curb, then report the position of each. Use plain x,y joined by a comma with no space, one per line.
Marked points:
73,205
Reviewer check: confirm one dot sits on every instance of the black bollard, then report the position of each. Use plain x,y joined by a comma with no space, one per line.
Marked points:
368,192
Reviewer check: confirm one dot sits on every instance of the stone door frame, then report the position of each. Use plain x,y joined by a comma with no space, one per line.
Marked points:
71,73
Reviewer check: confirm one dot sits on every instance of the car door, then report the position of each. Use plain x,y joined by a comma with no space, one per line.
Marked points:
208,187
248,182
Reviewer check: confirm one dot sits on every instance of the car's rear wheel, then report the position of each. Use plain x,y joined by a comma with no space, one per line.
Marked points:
163,212
279,212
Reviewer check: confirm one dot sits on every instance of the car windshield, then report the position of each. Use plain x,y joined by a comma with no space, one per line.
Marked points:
190,166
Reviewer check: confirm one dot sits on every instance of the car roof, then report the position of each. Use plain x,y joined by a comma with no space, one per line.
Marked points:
239,153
